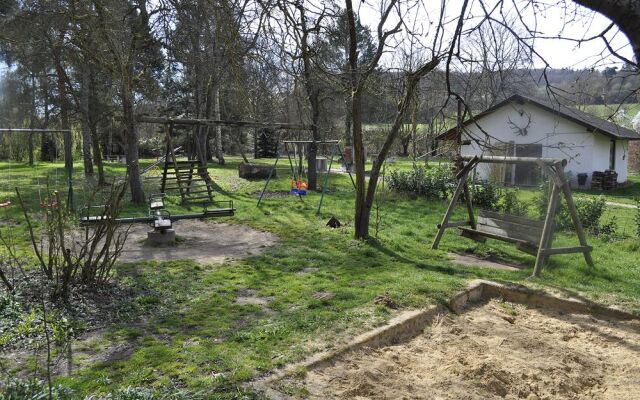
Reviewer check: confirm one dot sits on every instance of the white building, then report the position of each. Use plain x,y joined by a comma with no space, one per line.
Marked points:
526,127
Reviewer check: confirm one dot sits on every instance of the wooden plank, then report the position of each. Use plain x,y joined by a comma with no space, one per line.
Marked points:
452,204
534,231
547,232
531,234
567,250
566,190
505,231
469,201
512,218
455,224
493,236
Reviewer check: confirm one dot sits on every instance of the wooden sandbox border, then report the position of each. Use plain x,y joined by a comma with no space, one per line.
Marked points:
412,323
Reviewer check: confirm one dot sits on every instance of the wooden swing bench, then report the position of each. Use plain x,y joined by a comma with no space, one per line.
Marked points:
530,236
525,233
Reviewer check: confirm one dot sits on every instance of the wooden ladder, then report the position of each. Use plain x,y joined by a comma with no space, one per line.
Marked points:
193,185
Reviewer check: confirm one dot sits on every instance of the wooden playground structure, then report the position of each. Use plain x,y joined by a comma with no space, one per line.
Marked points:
528,235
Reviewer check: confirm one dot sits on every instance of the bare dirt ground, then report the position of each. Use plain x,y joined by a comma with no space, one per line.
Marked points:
473,261
201,241
497,350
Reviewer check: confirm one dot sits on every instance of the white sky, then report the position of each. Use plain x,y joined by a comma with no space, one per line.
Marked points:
552,19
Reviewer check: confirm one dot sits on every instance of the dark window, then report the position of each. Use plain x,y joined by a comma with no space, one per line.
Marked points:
612,155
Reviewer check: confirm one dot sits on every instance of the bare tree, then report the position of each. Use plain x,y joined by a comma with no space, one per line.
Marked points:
365,193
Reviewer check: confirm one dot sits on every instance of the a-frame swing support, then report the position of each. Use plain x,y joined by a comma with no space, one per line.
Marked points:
554,168
334,145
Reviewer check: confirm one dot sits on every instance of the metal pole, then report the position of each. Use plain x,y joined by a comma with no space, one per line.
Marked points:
269,178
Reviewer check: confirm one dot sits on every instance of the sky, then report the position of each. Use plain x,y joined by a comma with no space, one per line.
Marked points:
552,19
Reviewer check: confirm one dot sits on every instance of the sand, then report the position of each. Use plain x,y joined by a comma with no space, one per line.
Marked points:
199,240
497,350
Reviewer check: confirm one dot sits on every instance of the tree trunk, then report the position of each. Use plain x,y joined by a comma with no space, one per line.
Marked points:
32,118
347,121
86,133
362,213
97,153
131,139
93,128
47,141
219,150
364,201
312,173
66,125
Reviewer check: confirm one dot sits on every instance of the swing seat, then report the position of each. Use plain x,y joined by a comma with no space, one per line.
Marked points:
299,188
5,204
94,215
53,204
156,201
525,233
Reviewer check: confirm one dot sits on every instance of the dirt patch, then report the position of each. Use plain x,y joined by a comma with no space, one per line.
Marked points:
200,241
473,261
273,195
249,297
497,350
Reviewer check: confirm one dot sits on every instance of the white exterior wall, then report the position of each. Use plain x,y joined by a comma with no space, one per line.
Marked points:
584,151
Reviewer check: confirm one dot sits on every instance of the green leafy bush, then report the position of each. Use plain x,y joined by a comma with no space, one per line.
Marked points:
433,183
590,212
510,204
486,195
32,389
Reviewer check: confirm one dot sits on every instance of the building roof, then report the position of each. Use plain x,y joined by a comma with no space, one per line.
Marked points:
593,124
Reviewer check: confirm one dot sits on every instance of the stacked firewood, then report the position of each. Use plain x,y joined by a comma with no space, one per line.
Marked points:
604,180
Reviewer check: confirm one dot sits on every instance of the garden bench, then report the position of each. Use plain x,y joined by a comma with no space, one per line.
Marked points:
530,236
525,233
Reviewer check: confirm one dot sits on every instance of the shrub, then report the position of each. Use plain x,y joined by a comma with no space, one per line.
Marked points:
486,195
433,183
590,212
32,389
510,203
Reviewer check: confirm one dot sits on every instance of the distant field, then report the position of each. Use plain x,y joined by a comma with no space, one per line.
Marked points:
624,113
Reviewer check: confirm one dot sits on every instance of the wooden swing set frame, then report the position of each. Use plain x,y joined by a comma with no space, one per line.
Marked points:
514,229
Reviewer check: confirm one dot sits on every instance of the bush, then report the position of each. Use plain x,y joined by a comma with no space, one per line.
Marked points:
510,203
486,195
32,389
433,183
590,212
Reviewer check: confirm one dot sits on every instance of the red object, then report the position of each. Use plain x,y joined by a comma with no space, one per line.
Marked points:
53,204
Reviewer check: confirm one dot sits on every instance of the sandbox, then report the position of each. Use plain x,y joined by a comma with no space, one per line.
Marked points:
503,343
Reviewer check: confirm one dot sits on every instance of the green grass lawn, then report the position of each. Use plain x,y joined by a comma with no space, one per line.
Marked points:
185,332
